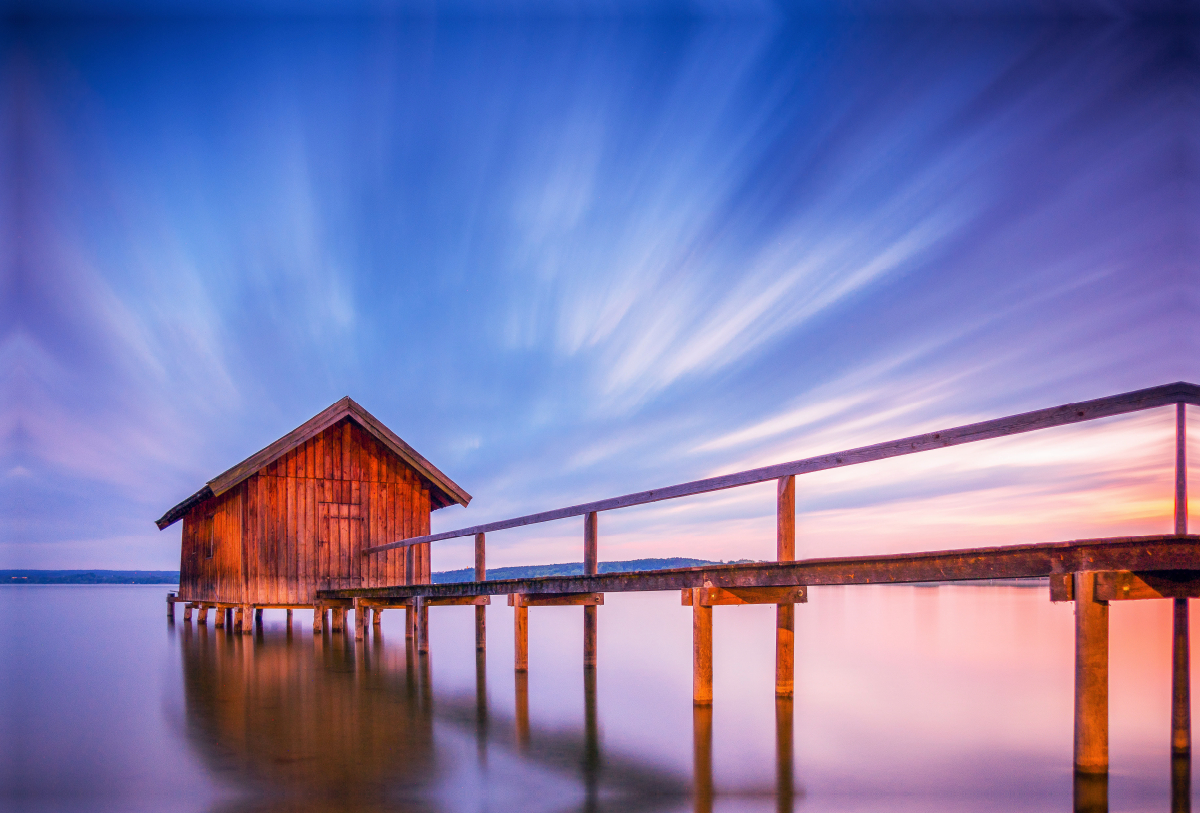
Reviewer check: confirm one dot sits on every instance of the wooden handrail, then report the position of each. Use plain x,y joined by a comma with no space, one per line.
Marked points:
1178,393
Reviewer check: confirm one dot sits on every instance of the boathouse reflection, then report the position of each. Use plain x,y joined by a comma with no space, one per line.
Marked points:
320,723
307,719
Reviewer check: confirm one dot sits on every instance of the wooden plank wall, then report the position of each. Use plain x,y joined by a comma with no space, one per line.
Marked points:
218,578
311,513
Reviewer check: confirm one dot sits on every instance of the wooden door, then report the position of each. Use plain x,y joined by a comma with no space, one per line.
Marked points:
339,544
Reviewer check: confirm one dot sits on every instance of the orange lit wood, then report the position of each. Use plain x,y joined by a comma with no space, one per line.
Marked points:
561,600
1130,586
716,596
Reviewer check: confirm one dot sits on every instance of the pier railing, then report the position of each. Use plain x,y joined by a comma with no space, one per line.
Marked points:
1179,393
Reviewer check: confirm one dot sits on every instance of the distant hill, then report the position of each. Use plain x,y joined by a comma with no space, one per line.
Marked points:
571,569
89,577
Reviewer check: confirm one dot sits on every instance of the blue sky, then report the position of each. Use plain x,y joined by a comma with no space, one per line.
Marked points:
575,258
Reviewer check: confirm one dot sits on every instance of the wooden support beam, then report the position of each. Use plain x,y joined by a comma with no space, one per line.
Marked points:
591,565
422,612
785,788
702,761
702,673
522,706
360,621
1181,671
716,596
520,637
480,576
1126,585
785,612
1091,678
1181,696
551,600
458,601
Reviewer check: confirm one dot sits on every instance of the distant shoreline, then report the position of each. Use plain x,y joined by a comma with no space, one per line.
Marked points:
170,577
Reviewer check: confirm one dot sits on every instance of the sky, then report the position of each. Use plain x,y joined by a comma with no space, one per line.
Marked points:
573,256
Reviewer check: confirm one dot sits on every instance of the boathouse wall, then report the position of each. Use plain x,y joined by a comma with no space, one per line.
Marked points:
300,524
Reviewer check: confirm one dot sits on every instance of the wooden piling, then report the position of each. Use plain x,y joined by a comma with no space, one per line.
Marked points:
219,618
590,568
202,615
410,622
360,625
522,706
187,612
376,616
318,618
785,790
1181,700
702,741
1091,677
785,614
170,606
248,614
422,622
702,693
480,575
289,620
520,637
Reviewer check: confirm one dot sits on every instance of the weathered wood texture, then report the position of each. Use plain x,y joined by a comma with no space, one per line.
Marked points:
1123,404
301,524
1091,678
1138,553
1181,692
445,490
702,670
1126,585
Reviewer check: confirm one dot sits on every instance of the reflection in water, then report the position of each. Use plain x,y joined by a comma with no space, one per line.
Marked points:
324,724
305,720
1181,783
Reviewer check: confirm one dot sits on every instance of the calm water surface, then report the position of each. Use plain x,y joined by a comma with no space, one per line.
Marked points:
907,698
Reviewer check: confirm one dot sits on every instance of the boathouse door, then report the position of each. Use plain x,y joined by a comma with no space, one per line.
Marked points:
340,542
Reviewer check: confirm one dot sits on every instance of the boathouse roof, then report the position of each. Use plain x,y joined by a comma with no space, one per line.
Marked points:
443,490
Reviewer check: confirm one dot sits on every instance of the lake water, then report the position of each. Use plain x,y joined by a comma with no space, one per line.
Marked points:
907,698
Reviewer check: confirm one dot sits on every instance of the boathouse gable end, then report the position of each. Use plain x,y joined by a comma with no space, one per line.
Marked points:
296,517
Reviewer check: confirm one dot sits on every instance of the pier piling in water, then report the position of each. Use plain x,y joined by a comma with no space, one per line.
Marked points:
702,674
1091,677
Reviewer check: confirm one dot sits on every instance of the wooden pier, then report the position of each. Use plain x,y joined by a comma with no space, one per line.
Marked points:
1089,572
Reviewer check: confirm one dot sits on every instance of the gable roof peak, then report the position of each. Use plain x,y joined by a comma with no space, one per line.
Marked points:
444,490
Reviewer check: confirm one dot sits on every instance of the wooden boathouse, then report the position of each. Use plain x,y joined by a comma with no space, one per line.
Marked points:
297,516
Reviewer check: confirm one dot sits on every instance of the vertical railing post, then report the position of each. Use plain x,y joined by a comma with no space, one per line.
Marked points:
1181,701
480,576
785,614
591,566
